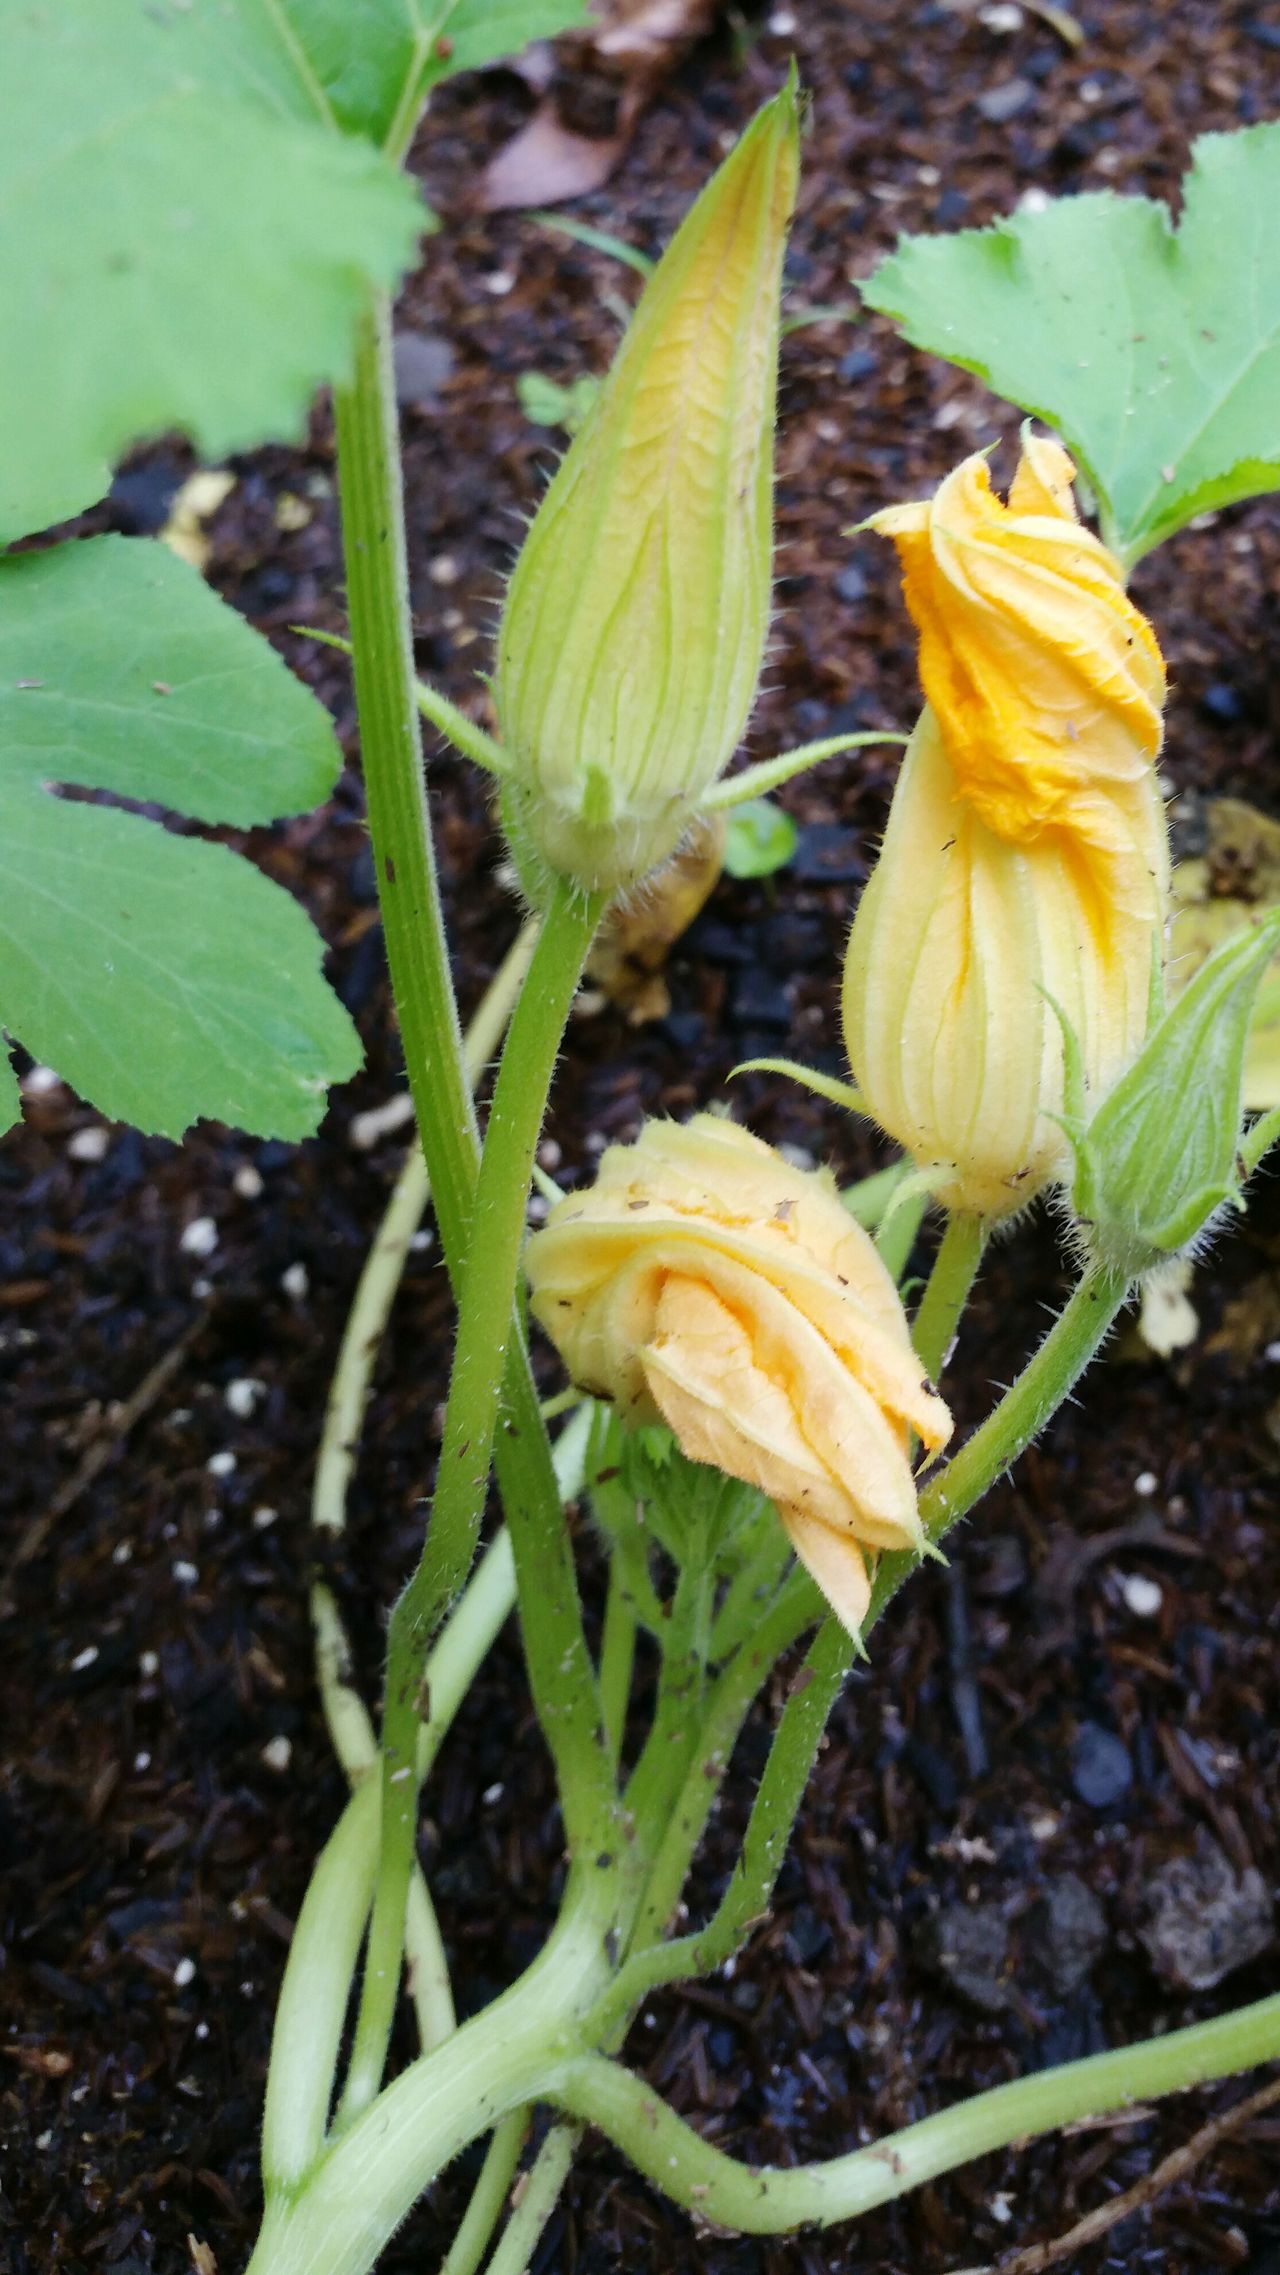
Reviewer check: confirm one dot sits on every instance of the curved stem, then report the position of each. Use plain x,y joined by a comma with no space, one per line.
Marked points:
770,2201
1046,1381
334,2218
487,1325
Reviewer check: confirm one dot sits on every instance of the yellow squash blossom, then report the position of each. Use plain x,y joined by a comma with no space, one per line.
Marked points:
705,1283
1026,853
635,621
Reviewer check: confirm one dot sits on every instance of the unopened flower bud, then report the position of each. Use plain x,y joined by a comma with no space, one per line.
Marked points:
635,620
705,1283
1026,854
1160,1156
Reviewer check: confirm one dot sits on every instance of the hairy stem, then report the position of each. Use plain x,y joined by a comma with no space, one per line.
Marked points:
771,2201
485,1328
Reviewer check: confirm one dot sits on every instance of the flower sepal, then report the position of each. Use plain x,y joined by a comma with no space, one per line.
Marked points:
1162,1154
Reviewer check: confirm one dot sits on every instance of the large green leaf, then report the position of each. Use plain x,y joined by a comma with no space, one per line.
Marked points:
377,62
1155,352
163,976
185,241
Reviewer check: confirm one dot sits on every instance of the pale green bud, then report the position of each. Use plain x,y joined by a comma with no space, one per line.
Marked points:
1162,1153
635,621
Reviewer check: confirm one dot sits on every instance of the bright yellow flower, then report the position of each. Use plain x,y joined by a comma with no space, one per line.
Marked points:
635,620
1026,851
704,1282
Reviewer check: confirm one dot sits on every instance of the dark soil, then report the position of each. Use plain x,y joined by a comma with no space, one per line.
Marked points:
1036,1738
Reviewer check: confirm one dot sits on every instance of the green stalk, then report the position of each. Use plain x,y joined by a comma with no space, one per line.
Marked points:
955,1268
391,752
797,1607
772,2201
547,2176
334,2218
486,1325
1046,1381
617,1658
387,701
488,2196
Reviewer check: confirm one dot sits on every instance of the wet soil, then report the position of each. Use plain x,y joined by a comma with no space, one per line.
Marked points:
1088,1697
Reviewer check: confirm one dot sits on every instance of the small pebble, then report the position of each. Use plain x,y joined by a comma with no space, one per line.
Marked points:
122,1552
148,1664
44,2140
1001,17
142,1761
89,1144
365,1130
491,1794
422,1241
1143,1597
1101,1770
443,570
539,1208
186,1574
264,1518
184,1973
1272,1354
782,23
200,1237
499,282
550,1155
1034,200
296,1281
221,1464
84,1658
247,1182
1145,1483
244,1394
1004,102
277,1753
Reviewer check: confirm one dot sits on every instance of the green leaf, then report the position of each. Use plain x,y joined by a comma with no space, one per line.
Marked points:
480,31
1154,352
378,62
184,239
761,839
121,671
163,976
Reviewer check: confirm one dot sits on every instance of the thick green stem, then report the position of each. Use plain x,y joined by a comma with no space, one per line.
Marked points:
334,2218
771,2201
386,698
391,752
486,1326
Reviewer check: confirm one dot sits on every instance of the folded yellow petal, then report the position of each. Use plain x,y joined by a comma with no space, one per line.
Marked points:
1026,853
705,1282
